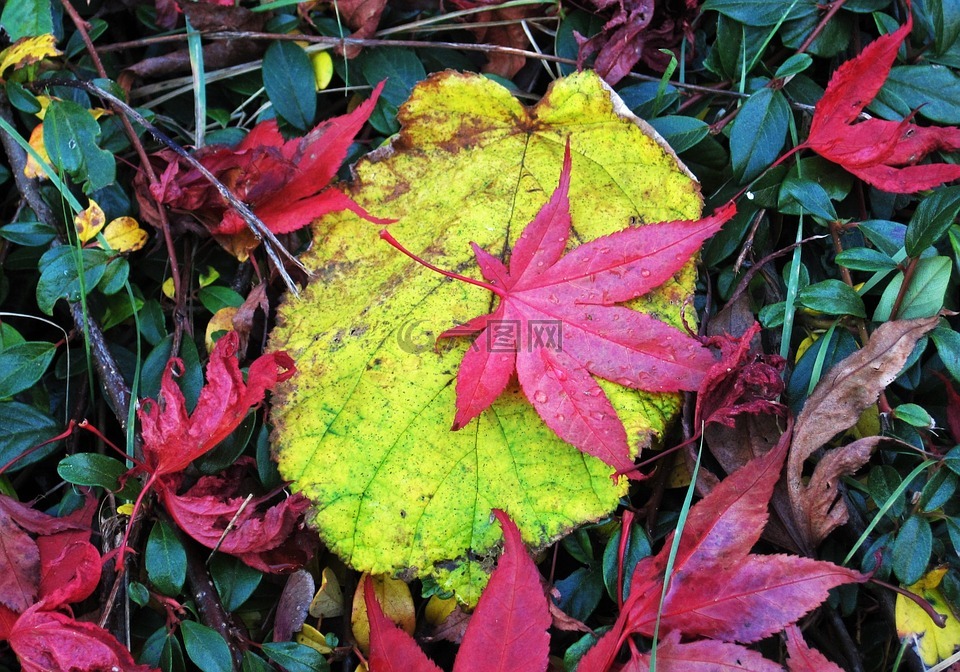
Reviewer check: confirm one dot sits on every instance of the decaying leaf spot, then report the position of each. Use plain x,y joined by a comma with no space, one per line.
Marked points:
364,431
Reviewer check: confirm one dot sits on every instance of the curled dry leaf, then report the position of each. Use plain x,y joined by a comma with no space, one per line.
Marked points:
835,405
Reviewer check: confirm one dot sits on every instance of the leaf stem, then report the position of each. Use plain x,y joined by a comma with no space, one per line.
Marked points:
450,274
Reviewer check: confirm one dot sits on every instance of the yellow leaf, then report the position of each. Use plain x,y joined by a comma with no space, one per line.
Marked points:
89,222
208,277
322,69
168,288
328,602
222,320
310,636
125,509
805,344
932,643
438,609
28,50
32,169
365,427
395,600
125,235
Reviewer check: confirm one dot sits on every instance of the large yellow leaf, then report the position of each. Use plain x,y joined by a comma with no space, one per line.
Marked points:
931,642
364,428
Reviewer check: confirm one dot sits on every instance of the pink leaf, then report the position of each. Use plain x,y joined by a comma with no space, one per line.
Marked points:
704,655
19,566
801,658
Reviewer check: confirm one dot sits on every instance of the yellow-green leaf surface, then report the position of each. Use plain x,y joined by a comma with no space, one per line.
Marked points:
364,429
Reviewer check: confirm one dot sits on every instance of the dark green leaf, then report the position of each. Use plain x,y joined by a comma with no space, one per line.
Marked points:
758,133
27,18
924,296
92,469
830,41
138,593
22,99
638,547
680,132
793,66
295,657
886,236
832,297
931,220
402,70
60,276
289,82
28,234
235,581
114,276
808,196
578,546
216,297
254,663
642,99
882,482
948,347
206,648
580,593
952,459
911,550
70,135
23,364
166,560
865,259
932,90
938,490
913,415
761,12
24,427
171,657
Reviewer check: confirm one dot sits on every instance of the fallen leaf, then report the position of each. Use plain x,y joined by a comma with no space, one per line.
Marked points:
394,602
508,629
577,292
801,658
836,404
286,183
704,655
504,29
89,222
365,329
362,16
124,235
20,563
717,588
931,642
328,602
293,607
32,168
881,153
28,50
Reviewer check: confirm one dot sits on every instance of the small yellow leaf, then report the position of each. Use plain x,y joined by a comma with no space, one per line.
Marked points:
328,602
125,509
222,320
168,288
27,51
125,235
89,222
322,69
395,600
932,643
310,636
805,345
32,169
209,277
438,609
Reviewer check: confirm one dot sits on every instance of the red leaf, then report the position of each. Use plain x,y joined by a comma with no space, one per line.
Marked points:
70,572
48,640
508,629
265,537
172,438
705,655
286,184
801,658
881,153
19,566
717,587
596,337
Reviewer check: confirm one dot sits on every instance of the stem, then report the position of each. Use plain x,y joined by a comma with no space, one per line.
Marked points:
937,618
834,8
450,274
904,286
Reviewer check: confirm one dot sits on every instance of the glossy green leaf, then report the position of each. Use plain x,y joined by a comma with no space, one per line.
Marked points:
948,347
402,70
758,133
23,364
60,276
865,259
27,18
939,490
914,415
235,581
680,132
760,12
206,648
96,470
28,234
288,80
923,298
932,219
580,592
24,427
803,195
295,657
794,65
832,297
70,135
638,547
911,549
216,297
165,560
931,90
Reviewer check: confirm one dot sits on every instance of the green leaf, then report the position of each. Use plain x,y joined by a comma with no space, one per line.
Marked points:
166,560
70,136
216,297
938,490
288,80
28,234
206,648
803,195
295,657
60,276
932,219
932,90
832,297
911,549
579,547
93,469
865,259
254,663
360,384
22,99
235,581
760,12
138,593
171,657
924,296
793,66
948,347
913,415
24,427
27,18
758,133
115,276
580,592
681,132
638,547
23,364
946,23
402,70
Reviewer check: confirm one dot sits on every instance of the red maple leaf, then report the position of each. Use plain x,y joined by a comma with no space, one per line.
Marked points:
881,153
44,635
579,291
508,629
286,184
801,658
717,588
173,438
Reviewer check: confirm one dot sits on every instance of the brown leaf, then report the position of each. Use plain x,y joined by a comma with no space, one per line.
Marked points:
509,34
836,404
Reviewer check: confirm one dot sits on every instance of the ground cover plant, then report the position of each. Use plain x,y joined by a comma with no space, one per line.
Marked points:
479,336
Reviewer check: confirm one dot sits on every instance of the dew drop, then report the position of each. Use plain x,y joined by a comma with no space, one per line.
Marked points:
72,144
540,396
624,381
539,264
561,417
560,374
593,392
604,250
554,298
597,415
645,272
